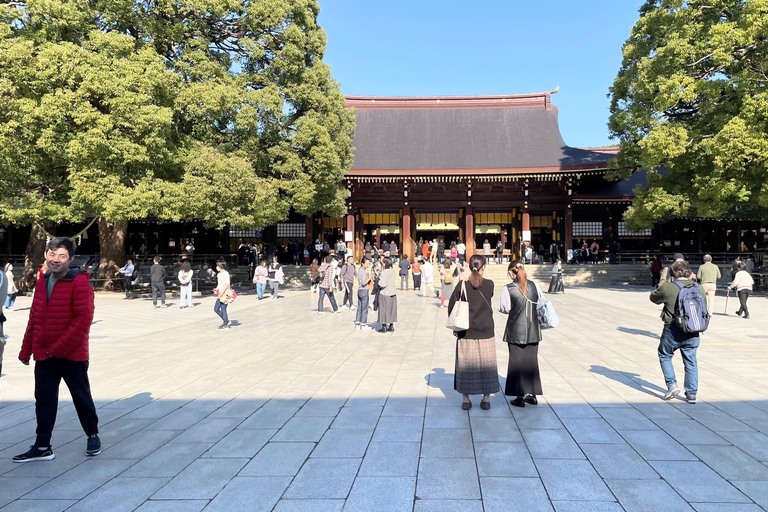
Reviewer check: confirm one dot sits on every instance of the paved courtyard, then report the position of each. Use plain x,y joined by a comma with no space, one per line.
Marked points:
290,411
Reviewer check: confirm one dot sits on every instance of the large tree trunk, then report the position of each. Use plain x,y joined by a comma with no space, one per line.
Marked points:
34,257
111,250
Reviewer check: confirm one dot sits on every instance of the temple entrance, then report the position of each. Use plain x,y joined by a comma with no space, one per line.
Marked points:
438,225
381,226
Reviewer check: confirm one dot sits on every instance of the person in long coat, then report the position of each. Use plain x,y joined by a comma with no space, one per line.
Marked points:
476,372
522,335
556,283
387,298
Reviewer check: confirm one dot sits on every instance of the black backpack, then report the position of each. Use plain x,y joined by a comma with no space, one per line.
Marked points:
135,274
318,277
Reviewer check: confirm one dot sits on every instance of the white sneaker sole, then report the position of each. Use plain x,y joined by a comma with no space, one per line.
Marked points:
47,457
672,394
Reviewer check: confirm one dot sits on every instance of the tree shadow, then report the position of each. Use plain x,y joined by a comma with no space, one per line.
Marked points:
622,377
638,332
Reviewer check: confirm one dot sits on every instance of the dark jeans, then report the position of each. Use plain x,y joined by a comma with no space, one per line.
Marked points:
361,317
672,339
417,281
743,296
499,256
158,290
48,375
221,310
128,283
614,258
329,293
655,278
348,294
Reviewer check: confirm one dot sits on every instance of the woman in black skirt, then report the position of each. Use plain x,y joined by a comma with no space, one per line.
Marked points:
476,370
556,283
522,334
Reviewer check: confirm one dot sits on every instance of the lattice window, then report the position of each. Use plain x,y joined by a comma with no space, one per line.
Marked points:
244,233
625,233
291,230
588,229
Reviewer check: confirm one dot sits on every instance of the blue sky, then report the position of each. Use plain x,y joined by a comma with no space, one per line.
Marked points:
429,47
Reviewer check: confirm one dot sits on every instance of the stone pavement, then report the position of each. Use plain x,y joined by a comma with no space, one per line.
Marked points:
291,411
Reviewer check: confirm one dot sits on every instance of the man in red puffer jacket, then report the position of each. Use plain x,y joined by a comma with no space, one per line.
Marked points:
57,337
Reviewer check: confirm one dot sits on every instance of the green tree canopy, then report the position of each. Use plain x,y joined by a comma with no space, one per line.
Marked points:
215,109
690,105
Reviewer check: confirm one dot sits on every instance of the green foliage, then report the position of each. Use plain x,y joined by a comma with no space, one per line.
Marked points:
690,105
215,109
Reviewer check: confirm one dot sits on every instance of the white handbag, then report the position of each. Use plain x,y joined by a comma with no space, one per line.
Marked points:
458,316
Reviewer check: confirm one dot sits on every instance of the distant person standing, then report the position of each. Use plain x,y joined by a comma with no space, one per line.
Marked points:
223,294
499,252
735,267
348,274
387,298
57,337
260,275
522,335
656,266
749,264
613,251
461,249
314,267
673,338
448,270
594,250
487,249
476,371
12,290
127,272
364,281
185,284
275,278
393,252
157,281
405,266
553,252
708,275
742,283
416,273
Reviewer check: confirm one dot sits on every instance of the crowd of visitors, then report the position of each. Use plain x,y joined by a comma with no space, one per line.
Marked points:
64,304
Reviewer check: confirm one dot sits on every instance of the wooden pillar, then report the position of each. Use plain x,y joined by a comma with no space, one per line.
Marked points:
526,228
405,231
309,240
350,229
469,231
378,237
568,229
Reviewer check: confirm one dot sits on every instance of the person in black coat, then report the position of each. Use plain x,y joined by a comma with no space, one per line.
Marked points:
522,334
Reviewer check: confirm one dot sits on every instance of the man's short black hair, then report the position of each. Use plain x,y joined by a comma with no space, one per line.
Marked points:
680,269
328,258
365,260
61,242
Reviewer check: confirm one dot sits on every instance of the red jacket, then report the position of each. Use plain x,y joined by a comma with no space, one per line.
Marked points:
59,326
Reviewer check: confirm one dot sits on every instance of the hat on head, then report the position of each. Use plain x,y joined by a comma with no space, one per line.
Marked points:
679,256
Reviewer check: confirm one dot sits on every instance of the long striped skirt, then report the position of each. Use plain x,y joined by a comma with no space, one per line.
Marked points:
476,370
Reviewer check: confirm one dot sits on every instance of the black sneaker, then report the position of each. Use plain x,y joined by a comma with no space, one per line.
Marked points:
94,446
691,398
35,453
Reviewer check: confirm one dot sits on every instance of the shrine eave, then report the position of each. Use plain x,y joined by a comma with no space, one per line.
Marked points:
536,99
514,172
